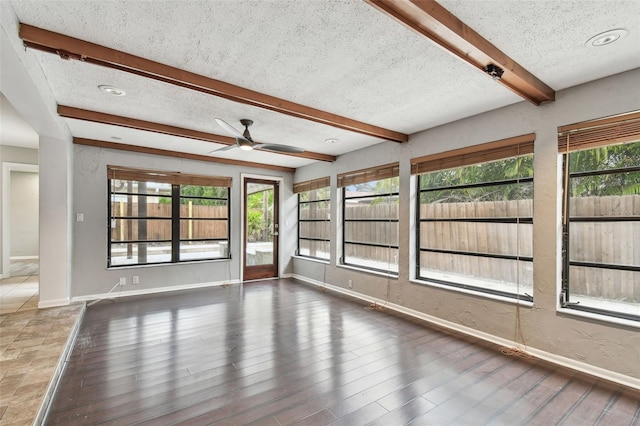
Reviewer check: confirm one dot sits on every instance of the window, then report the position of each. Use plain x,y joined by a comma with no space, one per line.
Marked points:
161,217
370,218
313,218
474,218
601,216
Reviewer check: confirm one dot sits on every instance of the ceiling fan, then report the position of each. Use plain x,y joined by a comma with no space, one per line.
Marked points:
246,143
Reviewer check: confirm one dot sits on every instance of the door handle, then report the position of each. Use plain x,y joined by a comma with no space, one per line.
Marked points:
275,234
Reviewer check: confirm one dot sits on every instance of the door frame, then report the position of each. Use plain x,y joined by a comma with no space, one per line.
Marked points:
7,168
279,180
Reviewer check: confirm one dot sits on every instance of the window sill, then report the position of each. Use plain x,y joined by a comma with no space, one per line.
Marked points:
368,271
599,317
155,265
311,259
514,301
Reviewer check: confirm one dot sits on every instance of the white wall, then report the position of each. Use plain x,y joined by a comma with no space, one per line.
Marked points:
89,262
55,216
25,87
14,155
601,344
23,213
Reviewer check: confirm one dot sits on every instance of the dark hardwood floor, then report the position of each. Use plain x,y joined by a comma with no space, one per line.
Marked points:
280,352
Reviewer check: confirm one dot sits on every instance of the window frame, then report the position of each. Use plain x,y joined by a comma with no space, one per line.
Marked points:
605,132
307,189
327,220
177,182
504,149
373,174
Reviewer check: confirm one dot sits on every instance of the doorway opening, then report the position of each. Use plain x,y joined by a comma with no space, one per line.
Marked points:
260,228
19,287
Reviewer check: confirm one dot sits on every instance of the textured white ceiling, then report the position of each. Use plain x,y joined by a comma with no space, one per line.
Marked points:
548,37
341,56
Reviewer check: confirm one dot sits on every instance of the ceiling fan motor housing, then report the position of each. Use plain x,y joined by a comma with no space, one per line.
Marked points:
246,123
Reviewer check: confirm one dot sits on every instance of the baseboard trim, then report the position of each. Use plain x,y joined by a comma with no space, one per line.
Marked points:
155,290
589,369
53,303
47,399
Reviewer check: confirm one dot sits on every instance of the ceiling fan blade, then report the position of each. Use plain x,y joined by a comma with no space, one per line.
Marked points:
224,148
229,128
278,148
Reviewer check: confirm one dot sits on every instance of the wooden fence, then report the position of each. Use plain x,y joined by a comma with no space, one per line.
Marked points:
513,239
160,229
604,242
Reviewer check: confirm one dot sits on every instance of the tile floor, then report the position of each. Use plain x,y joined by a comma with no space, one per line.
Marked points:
19,293
31,342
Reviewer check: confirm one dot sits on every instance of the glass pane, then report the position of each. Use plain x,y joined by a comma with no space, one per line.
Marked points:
486,196
494,238
607,289
605,158
315,194
260,224
140,229
381,258
140,253
493,171
317,210
605,242
372,232
198,207
314,230
384,186
483,272
372,208
135,206
605,206
204,191
195,229
197,250
151,188
319,249
621,184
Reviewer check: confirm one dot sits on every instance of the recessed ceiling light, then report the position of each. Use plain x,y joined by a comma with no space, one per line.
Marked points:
607,37
332,140
112,90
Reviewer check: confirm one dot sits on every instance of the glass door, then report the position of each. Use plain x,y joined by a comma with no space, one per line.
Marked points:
260,257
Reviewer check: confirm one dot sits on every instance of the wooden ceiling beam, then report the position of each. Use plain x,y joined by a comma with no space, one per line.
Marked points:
149,126
73,48
433,21
176,154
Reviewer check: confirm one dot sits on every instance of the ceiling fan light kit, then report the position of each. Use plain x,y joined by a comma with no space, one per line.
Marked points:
244,144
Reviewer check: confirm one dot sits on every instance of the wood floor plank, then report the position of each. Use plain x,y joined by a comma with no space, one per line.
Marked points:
280,352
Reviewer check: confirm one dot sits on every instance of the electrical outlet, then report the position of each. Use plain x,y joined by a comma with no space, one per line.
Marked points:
350,283
135,280
123,281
